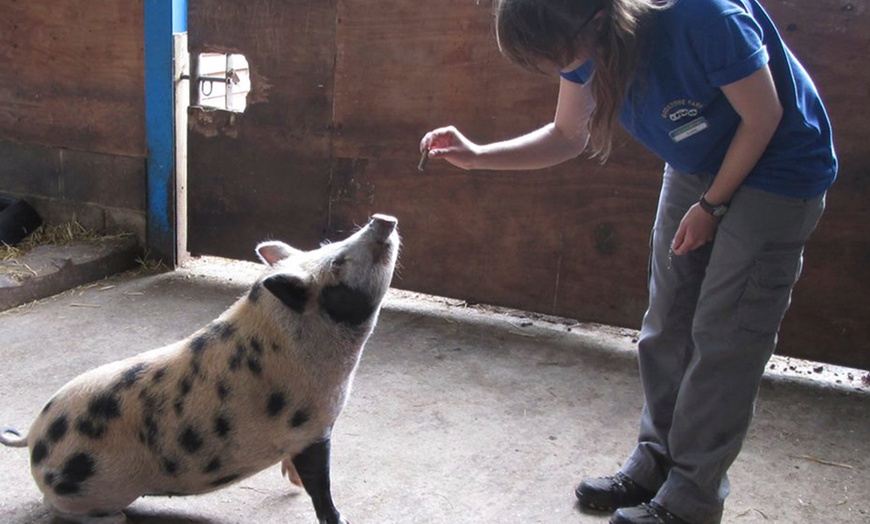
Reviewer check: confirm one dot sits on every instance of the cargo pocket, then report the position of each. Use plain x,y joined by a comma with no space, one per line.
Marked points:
768,292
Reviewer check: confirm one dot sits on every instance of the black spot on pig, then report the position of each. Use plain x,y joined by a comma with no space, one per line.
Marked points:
275,404
224,480
299,418
195,367
101,409
289,290
256,346
47,406
158,375
152,409
66,488
255,364
213,466
77,469
57,430
90,428
346,305
217,330
170,466
104,406
132,375
237,357
223,390
178,405
190,440
199,343
50,479
225,330
150,432
255,292
222,426
184,386
152,403
39,453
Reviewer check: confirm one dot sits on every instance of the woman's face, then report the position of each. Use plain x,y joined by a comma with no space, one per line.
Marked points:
584,41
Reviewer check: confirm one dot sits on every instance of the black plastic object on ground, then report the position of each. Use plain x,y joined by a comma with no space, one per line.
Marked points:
17,220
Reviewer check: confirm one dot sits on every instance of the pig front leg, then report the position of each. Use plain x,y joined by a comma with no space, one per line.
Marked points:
312,465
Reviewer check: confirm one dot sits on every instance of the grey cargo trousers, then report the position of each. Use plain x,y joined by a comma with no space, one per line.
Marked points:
710,329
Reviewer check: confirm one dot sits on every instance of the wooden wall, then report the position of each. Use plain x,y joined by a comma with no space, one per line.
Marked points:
265,172
343,92
562,240
72,115
572,240
830,318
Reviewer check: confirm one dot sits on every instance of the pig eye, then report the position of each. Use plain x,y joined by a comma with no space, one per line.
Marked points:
338,262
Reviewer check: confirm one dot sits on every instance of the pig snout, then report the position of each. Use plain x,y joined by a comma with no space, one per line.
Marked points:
383,225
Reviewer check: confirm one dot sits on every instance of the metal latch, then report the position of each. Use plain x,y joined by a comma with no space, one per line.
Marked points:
222,81
231,78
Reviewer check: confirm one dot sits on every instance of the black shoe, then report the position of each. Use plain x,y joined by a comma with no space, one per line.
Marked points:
650,513
610,493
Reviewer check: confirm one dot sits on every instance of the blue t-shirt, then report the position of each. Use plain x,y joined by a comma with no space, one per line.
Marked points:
676,108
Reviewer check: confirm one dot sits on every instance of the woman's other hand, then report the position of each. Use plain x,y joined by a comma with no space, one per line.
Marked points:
696,229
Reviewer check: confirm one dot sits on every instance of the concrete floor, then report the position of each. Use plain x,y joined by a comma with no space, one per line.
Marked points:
458,415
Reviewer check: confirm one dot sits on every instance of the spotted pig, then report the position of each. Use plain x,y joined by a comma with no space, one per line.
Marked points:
262,384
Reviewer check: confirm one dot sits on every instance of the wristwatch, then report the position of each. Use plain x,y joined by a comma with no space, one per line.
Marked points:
717,211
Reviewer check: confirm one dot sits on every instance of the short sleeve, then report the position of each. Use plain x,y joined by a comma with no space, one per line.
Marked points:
731,47
580,75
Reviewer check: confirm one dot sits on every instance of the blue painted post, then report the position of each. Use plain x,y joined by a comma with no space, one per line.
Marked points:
162,18
179,16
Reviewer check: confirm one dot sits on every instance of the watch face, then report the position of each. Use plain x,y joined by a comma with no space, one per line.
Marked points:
716,211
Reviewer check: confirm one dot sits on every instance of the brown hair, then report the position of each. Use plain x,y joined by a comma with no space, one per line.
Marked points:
536,33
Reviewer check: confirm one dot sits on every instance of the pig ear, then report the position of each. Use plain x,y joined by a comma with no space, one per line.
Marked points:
273,252
290,289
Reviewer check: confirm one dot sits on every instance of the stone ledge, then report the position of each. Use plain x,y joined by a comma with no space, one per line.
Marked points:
51,269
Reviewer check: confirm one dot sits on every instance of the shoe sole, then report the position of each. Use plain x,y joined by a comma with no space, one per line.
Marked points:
596,507
591,505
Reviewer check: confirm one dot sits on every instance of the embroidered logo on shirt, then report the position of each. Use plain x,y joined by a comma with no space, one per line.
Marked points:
680,109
